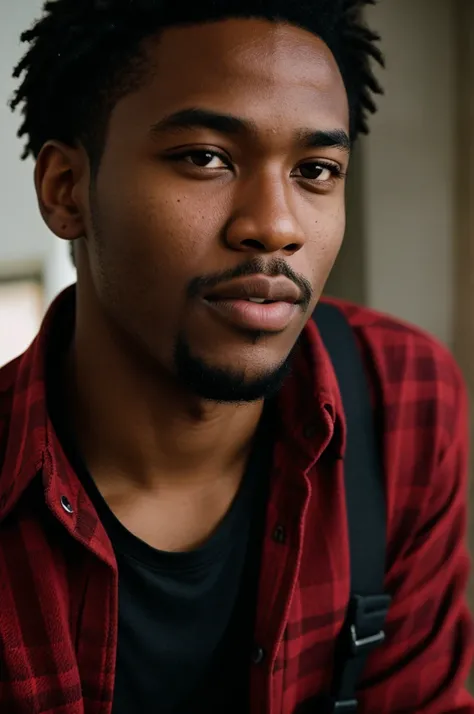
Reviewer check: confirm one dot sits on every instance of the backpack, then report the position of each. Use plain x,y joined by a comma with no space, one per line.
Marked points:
368,606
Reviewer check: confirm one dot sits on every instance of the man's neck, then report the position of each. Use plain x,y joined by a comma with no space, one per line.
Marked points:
142,425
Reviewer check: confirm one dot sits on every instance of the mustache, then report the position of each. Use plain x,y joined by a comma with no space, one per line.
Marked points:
273,269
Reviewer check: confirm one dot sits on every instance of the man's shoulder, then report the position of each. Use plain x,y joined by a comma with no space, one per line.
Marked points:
421,409
377,326
400,353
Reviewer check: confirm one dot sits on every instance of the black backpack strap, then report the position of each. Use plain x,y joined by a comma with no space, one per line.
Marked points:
366,512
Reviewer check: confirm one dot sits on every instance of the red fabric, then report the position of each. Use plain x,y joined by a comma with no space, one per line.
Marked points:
58,578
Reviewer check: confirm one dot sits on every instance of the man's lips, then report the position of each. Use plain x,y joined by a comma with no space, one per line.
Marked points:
254,317
257,288
256,303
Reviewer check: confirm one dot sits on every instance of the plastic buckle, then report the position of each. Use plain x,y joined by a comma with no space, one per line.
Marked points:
360,643
366,622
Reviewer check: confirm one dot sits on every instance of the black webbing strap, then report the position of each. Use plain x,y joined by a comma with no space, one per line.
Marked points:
366,513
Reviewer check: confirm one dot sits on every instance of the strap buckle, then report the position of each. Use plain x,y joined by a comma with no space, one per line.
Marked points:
365,642
365,623
363,632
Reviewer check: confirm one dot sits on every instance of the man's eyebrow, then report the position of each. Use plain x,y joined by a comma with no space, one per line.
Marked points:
195,118
332,138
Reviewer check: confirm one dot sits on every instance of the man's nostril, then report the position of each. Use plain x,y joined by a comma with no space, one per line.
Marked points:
254,244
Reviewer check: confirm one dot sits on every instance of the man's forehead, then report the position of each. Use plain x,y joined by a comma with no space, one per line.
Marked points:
247,68
274,50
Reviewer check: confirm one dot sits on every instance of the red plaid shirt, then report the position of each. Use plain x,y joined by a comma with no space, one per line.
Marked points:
58,575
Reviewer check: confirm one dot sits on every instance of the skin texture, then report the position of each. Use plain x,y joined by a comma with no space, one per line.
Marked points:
149,225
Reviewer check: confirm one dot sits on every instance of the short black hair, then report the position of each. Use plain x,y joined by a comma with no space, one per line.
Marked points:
84,55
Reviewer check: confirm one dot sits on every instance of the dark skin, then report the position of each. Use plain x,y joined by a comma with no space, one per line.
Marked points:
152,223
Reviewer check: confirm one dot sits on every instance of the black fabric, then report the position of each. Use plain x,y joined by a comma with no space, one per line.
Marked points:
186,620
366,511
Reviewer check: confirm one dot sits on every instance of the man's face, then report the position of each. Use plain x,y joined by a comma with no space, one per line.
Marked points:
216,185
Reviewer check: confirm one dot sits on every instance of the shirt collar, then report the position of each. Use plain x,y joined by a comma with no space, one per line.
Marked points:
311,414
310,402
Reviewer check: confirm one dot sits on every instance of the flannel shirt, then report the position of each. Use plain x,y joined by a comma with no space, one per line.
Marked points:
59,579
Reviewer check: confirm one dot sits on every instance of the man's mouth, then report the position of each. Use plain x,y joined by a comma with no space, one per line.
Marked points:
259,301
258,289
256,304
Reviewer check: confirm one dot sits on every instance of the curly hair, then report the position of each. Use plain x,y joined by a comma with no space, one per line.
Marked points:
84,55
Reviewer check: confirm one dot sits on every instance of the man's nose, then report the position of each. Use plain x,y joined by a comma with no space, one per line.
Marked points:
264,219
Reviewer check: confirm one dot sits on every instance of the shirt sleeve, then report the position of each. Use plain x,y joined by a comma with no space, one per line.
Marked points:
425,662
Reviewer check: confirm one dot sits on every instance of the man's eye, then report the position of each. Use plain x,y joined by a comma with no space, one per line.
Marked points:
317,171
205,159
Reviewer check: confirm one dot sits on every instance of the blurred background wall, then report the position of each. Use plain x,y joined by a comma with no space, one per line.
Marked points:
28,252
398,252
409,248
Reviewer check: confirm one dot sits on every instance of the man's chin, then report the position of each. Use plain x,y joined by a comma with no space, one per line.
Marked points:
226,383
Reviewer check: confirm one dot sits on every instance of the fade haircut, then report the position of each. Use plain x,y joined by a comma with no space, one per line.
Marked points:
84,55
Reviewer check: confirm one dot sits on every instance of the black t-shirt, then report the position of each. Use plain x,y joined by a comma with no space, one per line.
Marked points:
185,619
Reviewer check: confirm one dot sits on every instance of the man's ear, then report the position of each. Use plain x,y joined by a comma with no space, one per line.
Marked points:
61,181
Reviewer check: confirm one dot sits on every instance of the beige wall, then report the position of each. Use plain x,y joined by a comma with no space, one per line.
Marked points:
348,278
409,166
464,257
397,255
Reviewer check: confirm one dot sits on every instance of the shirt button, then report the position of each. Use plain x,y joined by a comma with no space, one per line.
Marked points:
258,655
279,535
66,504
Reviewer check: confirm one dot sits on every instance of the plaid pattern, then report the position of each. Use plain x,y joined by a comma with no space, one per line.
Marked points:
58,576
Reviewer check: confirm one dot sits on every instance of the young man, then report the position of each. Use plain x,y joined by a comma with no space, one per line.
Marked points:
173,532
